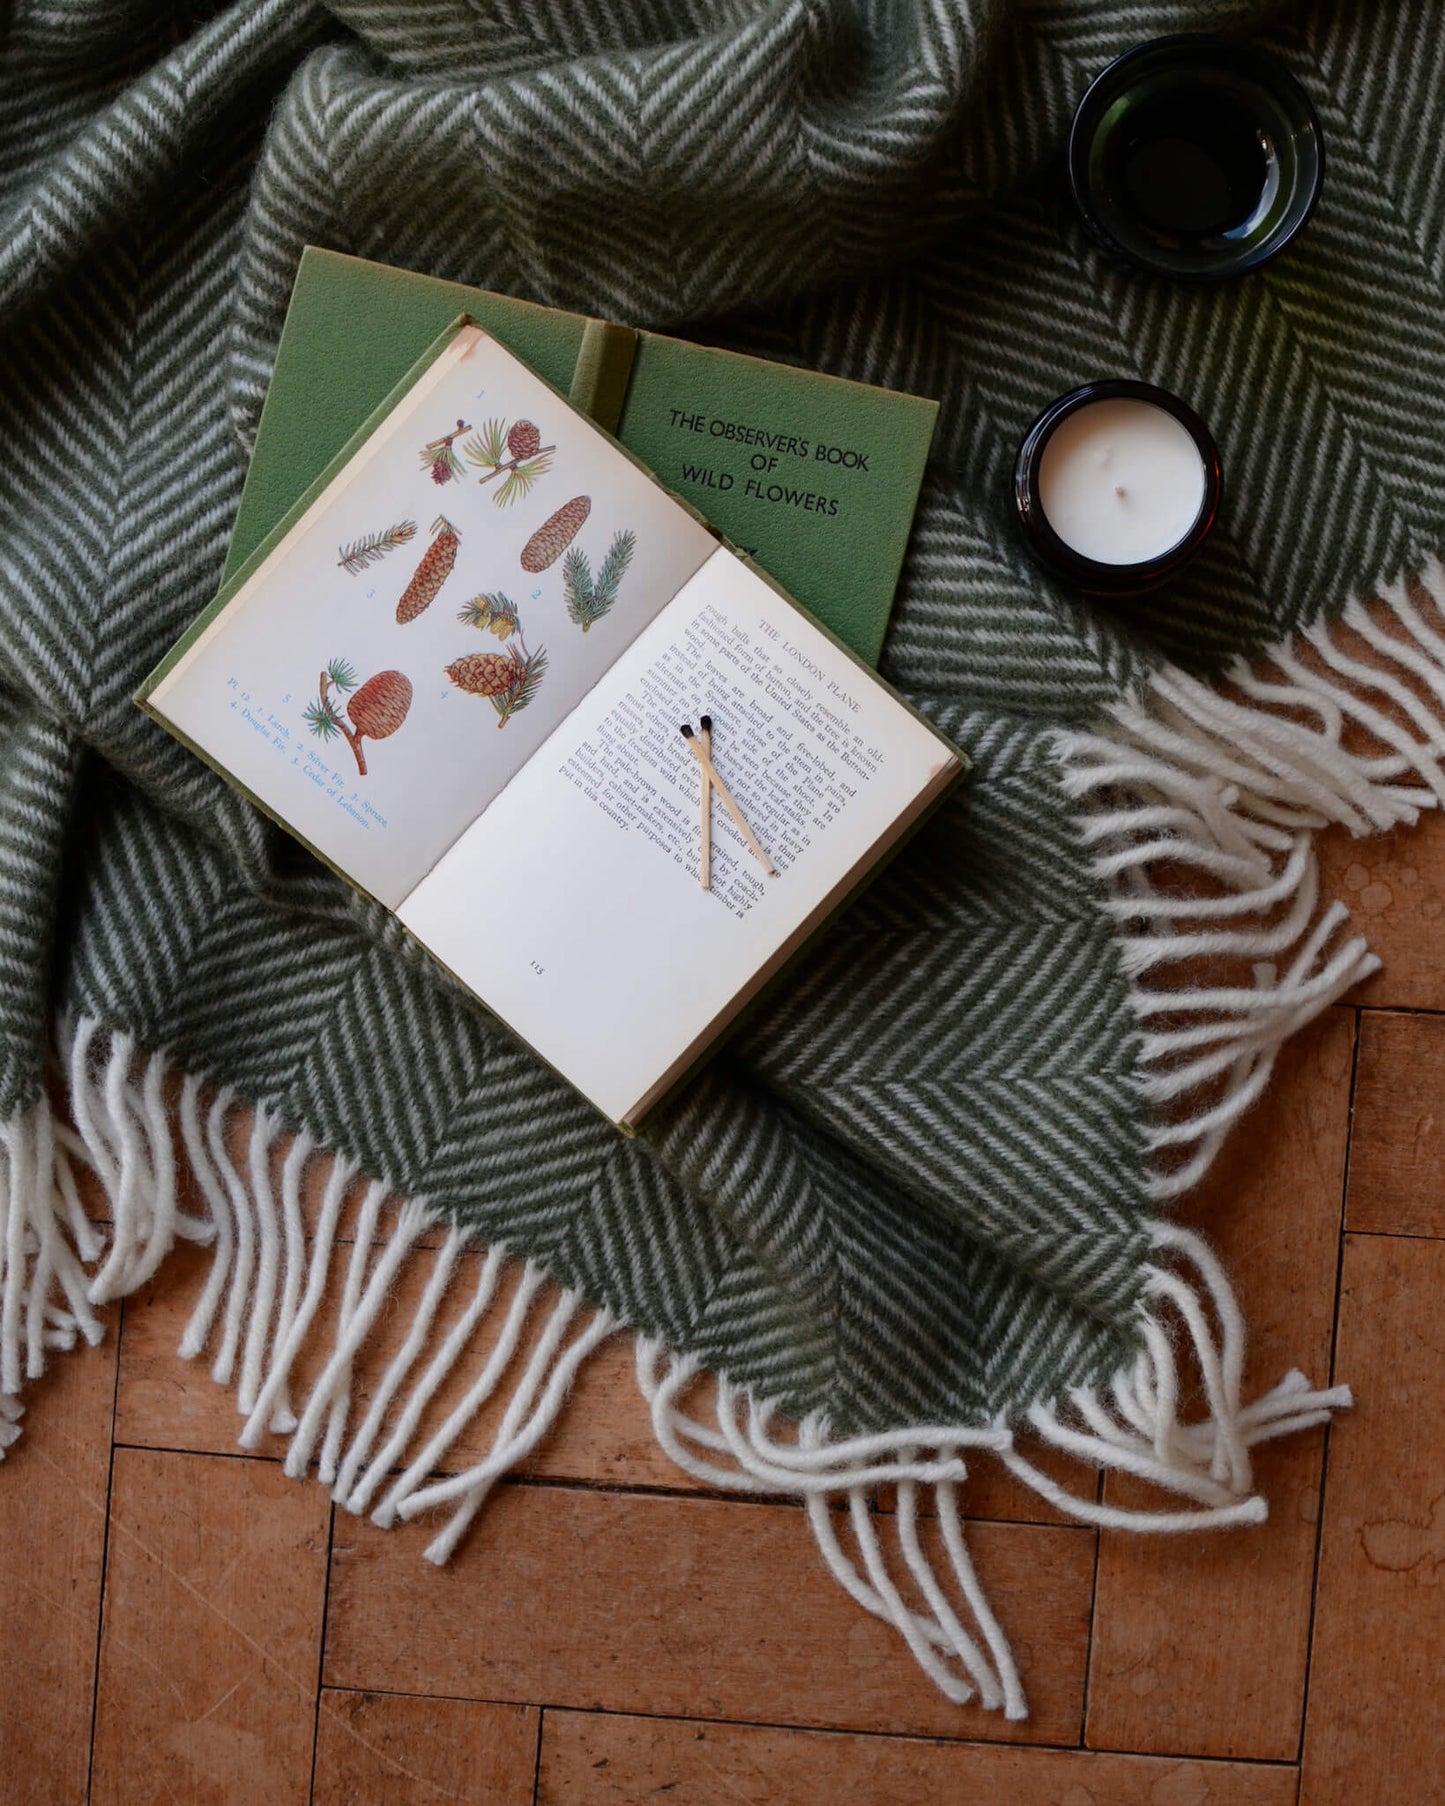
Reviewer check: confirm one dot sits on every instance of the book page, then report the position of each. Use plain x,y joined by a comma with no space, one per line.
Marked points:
434,615
573,907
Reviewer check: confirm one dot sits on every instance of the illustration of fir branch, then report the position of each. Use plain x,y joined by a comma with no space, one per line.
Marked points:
491,614
323,716
515,454
588,599
613,569
577,588
361,552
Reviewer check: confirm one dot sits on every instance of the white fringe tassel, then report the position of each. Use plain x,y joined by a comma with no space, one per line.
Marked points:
261,1305
1231,791
39,1201
1228,789
1135,1429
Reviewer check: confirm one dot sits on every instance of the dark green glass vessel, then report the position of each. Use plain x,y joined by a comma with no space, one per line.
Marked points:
1195,157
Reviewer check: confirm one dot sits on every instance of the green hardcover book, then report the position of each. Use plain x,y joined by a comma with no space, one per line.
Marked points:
813,477
503,680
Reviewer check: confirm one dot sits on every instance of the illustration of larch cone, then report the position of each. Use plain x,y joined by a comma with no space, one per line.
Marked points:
431,573
372,711
439,460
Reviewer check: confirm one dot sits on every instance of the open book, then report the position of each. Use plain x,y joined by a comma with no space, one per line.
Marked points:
458,671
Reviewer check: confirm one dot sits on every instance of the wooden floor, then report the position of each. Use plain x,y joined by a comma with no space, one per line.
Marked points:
182,1623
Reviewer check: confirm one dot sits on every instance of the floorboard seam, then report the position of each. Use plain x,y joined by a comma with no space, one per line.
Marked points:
583,1483
104,1557
1325,1451
321,1651
1089,1648
537,1769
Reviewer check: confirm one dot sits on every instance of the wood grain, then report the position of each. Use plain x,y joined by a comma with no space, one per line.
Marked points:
1183,1658
53,1485
696,1607
596,1759
384,1749
604,1437
211,1636
1375,1729
1394,886
162,1401
1397,1147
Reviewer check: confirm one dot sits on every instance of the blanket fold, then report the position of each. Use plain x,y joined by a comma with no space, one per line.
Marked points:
916,1215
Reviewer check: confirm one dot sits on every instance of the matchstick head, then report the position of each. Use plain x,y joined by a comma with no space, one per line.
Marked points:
686,730
706,724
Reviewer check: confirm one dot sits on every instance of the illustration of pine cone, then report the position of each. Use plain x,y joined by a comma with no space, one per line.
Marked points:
524,441
484,673
431,573
555,534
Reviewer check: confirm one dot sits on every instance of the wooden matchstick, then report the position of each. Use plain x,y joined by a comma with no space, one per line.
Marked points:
704,864
710,772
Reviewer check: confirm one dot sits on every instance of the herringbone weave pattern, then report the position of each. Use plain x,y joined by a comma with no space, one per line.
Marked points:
916,1190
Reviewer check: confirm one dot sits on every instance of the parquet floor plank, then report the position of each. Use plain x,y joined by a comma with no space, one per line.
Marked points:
385,1749
53,1488
211,1633
598,1759
1376,1729
1201,1643
1394,886
604,1438
686,1607
1397,1149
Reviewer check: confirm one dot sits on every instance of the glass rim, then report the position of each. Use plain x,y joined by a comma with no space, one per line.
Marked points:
1206,49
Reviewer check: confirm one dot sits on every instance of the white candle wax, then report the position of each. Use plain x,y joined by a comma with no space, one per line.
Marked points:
1121,481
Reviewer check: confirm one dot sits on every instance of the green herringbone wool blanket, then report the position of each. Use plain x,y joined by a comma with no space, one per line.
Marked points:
920,1211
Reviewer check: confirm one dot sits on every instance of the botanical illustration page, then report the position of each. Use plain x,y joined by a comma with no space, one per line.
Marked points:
444,604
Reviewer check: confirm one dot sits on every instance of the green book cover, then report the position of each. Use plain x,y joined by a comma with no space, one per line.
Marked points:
476,720
814,477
